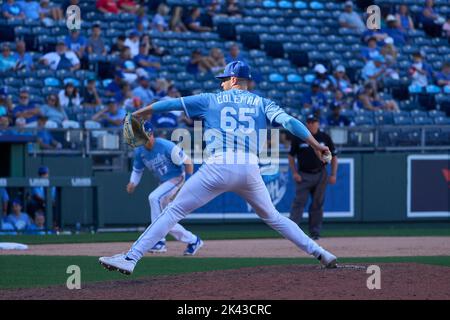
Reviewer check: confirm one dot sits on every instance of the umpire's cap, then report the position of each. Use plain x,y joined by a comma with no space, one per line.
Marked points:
236,69
312,118
148,127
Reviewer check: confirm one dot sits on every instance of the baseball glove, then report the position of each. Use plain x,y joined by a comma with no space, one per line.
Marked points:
133,131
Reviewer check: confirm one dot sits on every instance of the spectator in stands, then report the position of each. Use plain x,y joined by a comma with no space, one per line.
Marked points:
107,6
4,124
69,99
91,98
53,110
44,138
62,58
95,44
38,226
30,8
404,19
127,65
369,99
420,71
20,128
111,116
165,120
23,58
192,22
390,54
374,70
20,220
38,195
234,54
446,28
198,63
393,30
11,10
25,108
4,199
142,20
76,42
67,3
431,21
150,48
132,42
322,78
315,98
340,99
217,60
5,101
8,61
161,88
129,6
159,21
144,91
129,103
149,63
341,81
119,45
114,88
176,24
443,77
349,19
371,51
231,8
336,119
48,14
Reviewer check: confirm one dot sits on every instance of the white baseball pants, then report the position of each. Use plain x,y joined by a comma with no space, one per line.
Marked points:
160,198
207,183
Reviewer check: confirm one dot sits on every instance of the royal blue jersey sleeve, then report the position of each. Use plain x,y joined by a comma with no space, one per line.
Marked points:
196,106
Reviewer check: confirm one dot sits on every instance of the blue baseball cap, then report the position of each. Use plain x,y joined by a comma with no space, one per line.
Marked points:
236,69
17,201
43,170
148,127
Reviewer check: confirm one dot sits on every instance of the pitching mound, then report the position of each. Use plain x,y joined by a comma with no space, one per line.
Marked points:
295,282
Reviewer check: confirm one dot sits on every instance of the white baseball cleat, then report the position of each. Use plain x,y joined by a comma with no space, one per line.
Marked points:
327,259
118,262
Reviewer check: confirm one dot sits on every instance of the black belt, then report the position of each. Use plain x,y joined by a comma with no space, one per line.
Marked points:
313,171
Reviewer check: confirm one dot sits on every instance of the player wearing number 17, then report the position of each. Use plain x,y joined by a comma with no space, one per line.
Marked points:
227,116
169,165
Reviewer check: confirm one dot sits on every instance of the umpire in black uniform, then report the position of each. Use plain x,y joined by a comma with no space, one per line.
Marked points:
311,176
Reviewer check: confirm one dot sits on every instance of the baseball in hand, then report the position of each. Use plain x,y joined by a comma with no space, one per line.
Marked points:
326,157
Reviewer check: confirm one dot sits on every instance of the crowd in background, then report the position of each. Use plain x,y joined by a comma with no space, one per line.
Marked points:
136,82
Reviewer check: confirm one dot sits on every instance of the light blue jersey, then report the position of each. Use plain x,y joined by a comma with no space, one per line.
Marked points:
233,118
164,160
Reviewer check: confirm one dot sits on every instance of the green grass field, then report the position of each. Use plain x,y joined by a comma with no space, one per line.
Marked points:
39,271
252,231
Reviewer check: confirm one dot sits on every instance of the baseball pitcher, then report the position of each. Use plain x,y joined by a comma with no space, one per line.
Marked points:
232,165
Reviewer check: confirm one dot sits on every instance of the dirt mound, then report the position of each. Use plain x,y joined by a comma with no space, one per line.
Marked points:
293,282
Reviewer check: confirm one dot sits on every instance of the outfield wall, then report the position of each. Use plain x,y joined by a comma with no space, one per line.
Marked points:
371,187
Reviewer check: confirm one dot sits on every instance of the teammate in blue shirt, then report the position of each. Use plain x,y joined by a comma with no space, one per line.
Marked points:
168,163
20,220
231,119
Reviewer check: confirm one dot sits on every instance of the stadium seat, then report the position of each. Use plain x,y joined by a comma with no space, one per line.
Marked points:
294,78
402,120
422,121
250,40
441,120
70,124
276,77
274,49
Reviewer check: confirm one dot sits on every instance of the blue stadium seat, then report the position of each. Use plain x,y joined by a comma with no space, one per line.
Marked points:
422,121
300,5
294,78
283,4
418,113
276,77
441,120
402,120
436,113
52,82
